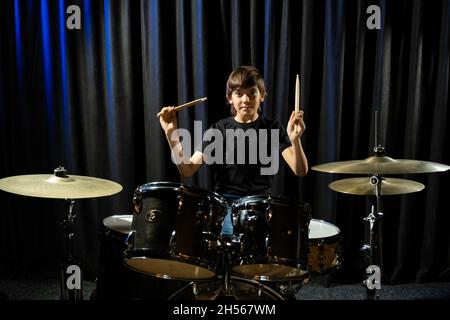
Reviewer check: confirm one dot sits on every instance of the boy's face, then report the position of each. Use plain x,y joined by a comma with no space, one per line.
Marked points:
246,102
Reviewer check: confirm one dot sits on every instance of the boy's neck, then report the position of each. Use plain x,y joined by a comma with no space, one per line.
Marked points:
246,119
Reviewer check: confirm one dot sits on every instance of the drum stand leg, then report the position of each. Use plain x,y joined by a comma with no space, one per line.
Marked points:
174,295
373,250
290,289
229,289
69,272
261,289
228,284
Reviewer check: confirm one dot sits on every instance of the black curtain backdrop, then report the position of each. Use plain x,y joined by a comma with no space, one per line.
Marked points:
87,99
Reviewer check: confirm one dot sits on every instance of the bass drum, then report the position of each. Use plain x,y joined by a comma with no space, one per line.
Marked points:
115,281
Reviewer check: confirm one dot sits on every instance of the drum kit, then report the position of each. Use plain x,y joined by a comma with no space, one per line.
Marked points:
174,231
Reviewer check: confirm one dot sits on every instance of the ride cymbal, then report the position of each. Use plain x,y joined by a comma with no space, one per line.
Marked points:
55,187
363,186
381,165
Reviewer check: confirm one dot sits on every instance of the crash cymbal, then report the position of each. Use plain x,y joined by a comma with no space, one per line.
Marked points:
54,187
381,165
389,186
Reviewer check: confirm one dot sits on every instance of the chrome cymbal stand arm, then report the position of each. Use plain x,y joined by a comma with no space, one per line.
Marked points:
69,271
67,225
377,234
373,250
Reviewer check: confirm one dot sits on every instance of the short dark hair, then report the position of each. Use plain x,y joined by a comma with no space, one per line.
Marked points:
244,77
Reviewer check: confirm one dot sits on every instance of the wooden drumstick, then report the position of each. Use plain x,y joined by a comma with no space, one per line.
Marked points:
187,105
297,98
297,93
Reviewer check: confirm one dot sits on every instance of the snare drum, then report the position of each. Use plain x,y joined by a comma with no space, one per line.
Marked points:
174,231
324,246
273,233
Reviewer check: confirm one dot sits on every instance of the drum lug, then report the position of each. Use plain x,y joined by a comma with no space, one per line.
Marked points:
211,209
242,243
243,217
180,203
235,219
320,254
199,214
268,243
172,242
137,204
339,254
130,239
195,289
260,290
269,214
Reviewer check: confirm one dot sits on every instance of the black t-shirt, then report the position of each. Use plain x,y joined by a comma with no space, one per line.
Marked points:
242,160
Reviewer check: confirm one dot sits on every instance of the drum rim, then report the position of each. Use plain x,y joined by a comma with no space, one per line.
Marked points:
303,269
142,253
244,201
177,186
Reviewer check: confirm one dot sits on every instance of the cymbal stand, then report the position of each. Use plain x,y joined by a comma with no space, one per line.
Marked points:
373,251
69,271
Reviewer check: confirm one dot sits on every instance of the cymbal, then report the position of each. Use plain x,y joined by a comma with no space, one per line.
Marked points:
389,186
54,187
381,165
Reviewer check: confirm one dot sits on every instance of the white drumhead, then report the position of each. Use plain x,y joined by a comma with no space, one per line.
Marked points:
321,229
119,223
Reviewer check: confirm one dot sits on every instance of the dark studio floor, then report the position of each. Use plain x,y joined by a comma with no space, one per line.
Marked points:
43,286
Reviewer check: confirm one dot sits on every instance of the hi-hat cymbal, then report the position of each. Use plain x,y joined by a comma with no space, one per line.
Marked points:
363,186
54,187
381,165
